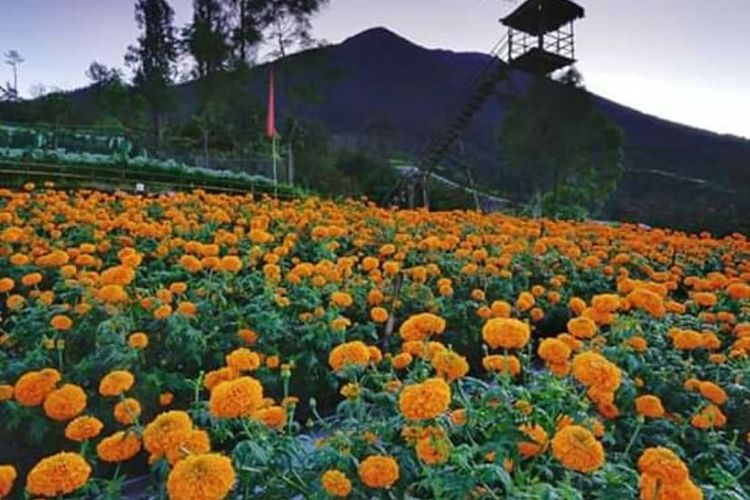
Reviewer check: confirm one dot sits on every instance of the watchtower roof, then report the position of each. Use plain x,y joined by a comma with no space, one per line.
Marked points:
537,17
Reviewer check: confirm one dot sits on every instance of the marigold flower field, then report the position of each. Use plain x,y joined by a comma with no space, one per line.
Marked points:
206,346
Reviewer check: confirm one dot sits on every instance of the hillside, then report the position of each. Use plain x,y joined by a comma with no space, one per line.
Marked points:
377,88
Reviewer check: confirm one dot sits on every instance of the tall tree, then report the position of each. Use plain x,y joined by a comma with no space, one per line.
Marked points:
14,60
207,37
154,59
247,31
564,151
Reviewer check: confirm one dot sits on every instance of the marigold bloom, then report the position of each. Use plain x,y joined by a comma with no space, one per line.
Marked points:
450,366
163,311
209,476
426,400
710,416
112,294
58,475
401,360
349,353
506,333
236,398
65,403
167,431
554,351
243,360
502,364
116,382
538,441
652,489
713,392
83,428
421,327
649,406
127,411
61,323
119,447
166,398
662,464
7,478
230,264
432,447
379,471
582,327
274,417
379,314
594,370
138,340
32,387
577,449
525,301
6,285
6,392
336,483
118,275
195,443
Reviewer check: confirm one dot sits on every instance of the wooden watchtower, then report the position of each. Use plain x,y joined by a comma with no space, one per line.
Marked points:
541,35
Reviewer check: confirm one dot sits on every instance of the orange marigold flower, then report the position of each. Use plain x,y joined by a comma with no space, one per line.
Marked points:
119,447
65,403
6,285
582,327
248,336
215,377
58,475
401,360
209,476
32,387
710,416
449,365
637,343
606,302
138,340
163,311
525,301
7,478
652,489
243,360
31,279
426,400
116,382
432,447
166,398
458,417
506,333
577,449
118,275
196,442
649,406
554,351
15,302
112,294
538,440
502,364
6,392
422,326
230,264
349,353
167,431
379,471
236,398
713,392
379,314
594,370
662,464
336,483
83,428
274,416
61,323
127,411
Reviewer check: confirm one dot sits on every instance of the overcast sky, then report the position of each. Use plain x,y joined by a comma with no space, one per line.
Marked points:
685,60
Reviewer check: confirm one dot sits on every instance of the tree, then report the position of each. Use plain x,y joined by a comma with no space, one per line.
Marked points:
154,59
114,106
565,152
12,59
207,37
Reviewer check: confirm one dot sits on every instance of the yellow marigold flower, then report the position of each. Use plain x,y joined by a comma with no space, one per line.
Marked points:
209,476
65,403
116,382
379,314
379,471
506,333
426,400
582,327
138,340
350,390
127,411
336,483
449,365
7,478
649,406
422,326
32,387
236,398
83,428
243,360
554,351
538,441
119,447
58,475
577,449
502,364
713,392
349,353
167,431
274,417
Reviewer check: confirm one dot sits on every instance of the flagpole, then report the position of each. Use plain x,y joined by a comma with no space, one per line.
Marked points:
275,169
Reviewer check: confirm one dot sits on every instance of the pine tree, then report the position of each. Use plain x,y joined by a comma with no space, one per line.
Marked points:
153,59
207,37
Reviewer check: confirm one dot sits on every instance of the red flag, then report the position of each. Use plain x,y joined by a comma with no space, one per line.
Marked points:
271,119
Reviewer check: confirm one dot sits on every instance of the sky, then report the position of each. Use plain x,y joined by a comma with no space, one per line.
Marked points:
684,60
